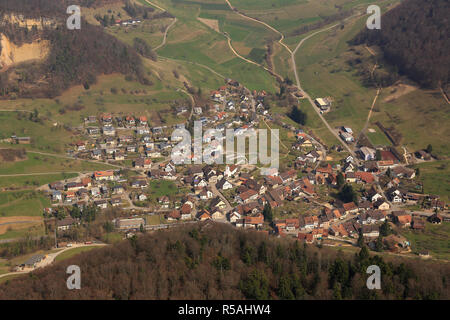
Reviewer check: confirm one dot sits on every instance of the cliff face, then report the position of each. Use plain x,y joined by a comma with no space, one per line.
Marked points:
12,54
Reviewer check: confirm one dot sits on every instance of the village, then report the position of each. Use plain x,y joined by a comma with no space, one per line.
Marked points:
353,201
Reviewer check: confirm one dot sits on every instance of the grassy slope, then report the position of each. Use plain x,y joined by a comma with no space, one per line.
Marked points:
433,239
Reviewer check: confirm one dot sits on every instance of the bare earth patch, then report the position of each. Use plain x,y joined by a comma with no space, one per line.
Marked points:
398,90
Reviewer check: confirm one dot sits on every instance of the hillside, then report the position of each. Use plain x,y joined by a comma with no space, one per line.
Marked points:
414,38
214,261
40,57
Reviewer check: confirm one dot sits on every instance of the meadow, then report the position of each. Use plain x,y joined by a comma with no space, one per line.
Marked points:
433,239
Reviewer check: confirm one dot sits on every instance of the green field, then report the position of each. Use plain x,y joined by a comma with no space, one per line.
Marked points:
22,203
72,252
38,163
435,239
435,177
159,188
32,181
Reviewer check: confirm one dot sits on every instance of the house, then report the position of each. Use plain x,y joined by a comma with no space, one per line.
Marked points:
347,137
371,216
173,215
417,223
109,131
66,223
312,156
350,207
396,196
56,195
164,201
435,218
142,130
350,177
403,220
367,153
23,140
205,194
204,215
96,154
117,190
143,163
338,231
402,172
115,202
234,216
323,104
217,214
305,237
56,185
365,177
396,242
102,204
308,222
104,175
218,202
370,231
139,184
247,196
288,176
142,197
185,211
253,221
381,204
223,185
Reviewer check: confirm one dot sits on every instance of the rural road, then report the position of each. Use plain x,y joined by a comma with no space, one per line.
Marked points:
212,186
307,96
50,259
280,41
163,43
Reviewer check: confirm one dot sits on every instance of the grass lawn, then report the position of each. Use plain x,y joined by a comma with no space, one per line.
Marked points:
38,163
160,188
28,182
435,177
72,252
27,203
154,219
435,239
112,237
10,277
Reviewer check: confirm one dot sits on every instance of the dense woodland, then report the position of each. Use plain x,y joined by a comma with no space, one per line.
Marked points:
414,37
76,57
216,261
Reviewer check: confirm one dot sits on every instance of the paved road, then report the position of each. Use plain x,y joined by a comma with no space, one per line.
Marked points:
212,186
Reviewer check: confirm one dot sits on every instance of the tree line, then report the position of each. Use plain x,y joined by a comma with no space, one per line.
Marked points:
215,261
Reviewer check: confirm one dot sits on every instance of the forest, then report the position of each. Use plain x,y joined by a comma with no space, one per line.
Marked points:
414,38
216,261
76,56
